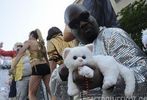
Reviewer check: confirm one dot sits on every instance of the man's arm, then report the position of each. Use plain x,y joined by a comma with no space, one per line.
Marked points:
119,45
67,34
7,53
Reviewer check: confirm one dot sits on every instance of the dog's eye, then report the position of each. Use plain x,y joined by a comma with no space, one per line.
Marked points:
84,57
74,57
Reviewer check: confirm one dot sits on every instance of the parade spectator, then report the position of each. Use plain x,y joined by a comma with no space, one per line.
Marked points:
6,58
22,74
12,82
39,62
55,47
11,53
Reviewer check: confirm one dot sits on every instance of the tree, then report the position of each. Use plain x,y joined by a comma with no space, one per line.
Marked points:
133,19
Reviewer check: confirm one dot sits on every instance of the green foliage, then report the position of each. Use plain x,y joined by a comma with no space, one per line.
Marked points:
133,19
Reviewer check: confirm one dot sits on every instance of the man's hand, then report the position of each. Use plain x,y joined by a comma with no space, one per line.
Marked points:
86,71
83,82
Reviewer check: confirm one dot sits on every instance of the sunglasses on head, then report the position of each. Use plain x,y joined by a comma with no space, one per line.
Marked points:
75,23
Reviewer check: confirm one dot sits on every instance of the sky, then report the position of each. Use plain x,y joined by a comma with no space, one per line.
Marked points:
19,17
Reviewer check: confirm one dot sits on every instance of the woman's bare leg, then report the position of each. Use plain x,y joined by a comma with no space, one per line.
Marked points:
53,98
46,80
34,84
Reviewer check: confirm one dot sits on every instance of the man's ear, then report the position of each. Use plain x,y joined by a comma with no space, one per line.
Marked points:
90,47
65,52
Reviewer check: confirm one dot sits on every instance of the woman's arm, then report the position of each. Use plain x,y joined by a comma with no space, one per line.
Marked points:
7,53
53,65
67,34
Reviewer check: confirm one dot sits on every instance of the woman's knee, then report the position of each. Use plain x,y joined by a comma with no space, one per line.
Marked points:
53,97
31,92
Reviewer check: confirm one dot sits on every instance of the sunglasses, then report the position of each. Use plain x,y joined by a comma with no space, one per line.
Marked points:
75,23
20,46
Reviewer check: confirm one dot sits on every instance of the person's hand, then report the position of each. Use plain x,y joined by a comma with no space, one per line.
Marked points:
84,83
11,71
86,71
10,81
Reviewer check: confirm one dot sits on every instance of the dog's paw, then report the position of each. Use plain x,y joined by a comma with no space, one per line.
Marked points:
89,73
108,84
86,71
73,92
107,93
129,93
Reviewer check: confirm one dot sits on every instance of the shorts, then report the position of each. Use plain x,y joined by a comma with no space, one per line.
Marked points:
41,69
22,88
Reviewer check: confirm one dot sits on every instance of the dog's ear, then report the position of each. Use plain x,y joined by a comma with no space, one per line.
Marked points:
144,38
65,52
90,47
144,32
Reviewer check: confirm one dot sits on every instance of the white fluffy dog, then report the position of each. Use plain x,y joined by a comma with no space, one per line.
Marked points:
110,68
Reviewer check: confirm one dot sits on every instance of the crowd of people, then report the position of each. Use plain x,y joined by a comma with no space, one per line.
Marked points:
34,62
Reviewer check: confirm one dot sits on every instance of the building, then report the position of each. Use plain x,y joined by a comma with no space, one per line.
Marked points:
117,4
78,1
120,4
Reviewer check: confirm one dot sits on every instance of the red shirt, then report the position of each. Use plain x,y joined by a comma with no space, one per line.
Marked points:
7,53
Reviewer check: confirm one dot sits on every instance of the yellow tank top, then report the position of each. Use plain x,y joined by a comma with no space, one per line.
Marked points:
36,57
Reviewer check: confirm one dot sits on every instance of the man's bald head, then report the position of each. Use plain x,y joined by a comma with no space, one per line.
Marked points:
83,26
72,11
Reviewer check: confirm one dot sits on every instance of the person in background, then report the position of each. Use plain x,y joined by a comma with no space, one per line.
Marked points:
12,82
39,62
10,53
6,57
108,41
22,74
55,47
